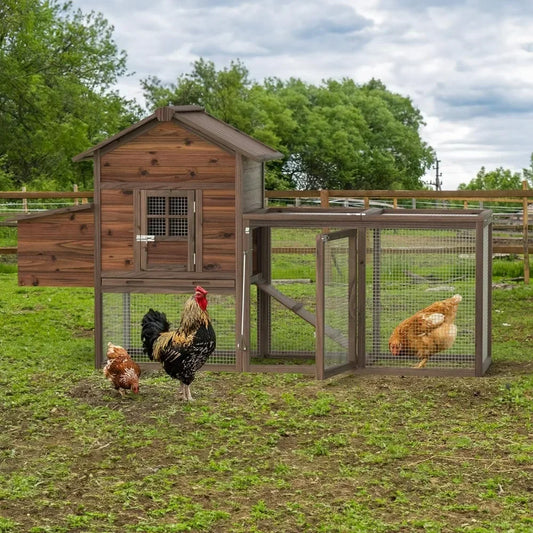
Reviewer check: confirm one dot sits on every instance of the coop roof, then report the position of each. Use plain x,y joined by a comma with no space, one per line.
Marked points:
50,212
196,119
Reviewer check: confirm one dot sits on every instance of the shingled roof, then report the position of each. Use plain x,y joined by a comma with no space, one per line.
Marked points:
197,120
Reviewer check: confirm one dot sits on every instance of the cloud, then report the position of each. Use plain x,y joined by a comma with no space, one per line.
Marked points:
466,64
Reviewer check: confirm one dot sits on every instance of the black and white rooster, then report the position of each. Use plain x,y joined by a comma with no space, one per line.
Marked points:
184,351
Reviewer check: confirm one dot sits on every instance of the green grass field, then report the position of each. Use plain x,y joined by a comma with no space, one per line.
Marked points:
256,452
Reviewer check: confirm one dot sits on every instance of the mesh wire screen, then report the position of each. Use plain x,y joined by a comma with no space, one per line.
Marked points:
291,339
156,205
487,283
178,205
179,227
157,226
122,314
337,304
409,269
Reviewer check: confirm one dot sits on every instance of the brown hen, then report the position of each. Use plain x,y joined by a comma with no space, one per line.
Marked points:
121,370
427,332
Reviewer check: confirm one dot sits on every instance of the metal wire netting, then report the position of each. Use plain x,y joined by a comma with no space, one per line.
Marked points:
122,315
409,269
337,304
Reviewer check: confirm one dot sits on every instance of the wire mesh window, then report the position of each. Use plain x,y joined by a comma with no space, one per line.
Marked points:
167,216
409,269
178,205
122,315
179,227
157,226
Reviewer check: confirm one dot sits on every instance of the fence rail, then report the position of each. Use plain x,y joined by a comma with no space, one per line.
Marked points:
511,235
516,241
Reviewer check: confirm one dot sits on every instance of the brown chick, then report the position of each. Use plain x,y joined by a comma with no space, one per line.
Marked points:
121,370
427,332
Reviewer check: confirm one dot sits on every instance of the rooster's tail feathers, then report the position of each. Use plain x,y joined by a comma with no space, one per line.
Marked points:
153,324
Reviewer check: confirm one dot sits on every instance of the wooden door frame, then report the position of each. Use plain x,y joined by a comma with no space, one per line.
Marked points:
141,227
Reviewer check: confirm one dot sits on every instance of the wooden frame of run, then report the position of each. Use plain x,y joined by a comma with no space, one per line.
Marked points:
354,225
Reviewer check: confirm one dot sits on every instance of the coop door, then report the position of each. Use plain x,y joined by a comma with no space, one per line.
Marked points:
337,313
165,230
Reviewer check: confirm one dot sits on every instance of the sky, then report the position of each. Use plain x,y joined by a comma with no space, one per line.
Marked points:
466,65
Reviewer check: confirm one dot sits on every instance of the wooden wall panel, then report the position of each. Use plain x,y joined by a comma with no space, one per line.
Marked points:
168,152
218,231
57,250
168,156
117,232
252,185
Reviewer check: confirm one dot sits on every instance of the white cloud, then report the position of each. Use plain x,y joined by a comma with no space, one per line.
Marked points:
466,64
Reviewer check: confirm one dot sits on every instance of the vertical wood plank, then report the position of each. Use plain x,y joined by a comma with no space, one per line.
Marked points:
525,222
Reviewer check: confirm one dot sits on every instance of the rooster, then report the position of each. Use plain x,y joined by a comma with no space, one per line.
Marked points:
427,332
185,350
121,370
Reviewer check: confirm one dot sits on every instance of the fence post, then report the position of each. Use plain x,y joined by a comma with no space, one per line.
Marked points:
75,189
525,223
24,201
324,198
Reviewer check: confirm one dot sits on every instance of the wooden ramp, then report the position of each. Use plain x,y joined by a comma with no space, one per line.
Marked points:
298,308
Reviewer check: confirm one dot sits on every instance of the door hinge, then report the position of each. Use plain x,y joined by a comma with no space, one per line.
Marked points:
145,238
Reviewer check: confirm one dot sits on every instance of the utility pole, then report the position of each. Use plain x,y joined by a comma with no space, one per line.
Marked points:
438,175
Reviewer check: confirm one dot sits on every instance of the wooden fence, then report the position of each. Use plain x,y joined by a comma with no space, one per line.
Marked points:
511,230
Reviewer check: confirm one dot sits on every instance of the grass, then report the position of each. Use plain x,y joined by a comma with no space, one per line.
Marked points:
256,452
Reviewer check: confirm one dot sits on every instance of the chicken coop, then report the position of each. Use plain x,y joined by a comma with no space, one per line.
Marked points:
169,194
179,201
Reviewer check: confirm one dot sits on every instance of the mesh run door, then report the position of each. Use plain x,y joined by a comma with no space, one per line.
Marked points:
336,302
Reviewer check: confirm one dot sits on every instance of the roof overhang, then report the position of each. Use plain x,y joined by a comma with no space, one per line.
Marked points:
198,121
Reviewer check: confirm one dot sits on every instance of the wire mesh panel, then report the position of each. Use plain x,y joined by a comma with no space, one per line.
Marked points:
337,310
122,314
283,308
407,270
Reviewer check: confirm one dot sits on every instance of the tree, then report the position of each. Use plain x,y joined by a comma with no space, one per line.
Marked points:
338,135
56,70
353,137
498,179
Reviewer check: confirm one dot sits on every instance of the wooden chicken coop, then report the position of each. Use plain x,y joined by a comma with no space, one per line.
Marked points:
179,201
169,194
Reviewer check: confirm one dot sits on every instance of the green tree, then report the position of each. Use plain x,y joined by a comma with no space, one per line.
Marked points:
338,135
231,96
56,70
498,179
353,137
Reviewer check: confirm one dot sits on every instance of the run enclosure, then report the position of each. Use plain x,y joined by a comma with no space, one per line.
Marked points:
374,268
